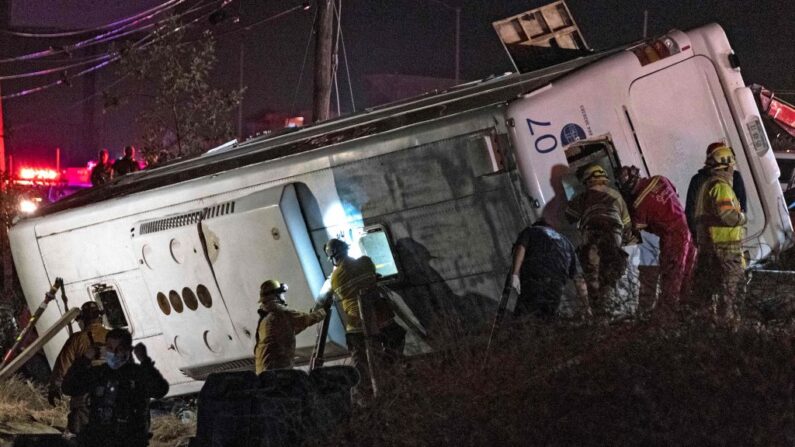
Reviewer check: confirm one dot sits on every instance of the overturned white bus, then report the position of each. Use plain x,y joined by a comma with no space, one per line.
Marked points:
434,189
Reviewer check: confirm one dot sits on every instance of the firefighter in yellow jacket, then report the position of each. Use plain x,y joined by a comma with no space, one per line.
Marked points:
605,226
92,336
351,279
720,228
278,325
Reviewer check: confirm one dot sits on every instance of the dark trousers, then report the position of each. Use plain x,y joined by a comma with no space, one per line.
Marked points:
388,346
78,413
540,297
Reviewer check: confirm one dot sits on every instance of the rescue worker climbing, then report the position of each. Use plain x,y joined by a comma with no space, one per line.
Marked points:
655,207
119,392
278,325
720,228
605,226
351,280
543,262
90,338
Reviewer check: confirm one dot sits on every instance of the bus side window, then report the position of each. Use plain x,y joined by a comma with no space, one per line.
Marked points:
108,299
583,152
375,244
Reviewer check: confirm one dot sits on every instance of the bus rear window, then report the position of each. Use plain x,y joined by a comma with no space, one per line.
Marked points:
108,299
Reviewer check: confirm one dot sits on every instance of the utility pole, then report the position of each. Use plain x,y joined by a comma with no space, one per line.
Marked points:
321,95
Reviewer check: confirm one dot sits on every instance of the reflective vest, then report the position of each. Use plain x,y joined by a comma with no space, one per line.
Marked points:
719,218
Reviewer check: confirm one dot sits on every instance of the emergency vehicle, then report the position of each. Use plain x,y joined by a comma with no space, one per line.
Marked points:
434,189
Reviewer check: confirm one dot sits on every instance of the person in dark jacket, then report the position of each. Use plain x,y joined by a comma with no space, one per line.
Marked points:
118,391
103,172
702,176
543,262
126,164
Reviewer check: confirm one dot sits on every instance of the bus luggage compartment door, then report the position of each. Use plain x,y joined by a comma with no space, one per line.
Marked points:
266,238
190,306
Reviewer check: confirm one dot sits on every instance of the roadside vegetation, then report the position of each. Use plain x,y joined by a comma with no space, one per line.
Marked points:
683,381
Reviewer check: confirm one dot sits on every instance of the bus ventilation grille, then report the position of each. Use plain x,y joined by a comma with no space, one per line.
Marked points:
191,218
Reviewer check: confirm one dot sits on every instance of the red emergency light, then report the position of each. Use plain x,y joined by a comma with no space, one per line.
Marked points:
38,175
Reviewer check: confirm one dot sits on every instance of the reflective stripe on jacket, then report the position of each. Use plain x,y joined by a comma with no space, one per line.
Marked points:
348,280
600,209
719,218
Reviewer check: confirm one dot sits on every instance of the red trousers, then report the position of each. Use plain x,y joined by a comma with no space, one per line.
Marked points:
677,259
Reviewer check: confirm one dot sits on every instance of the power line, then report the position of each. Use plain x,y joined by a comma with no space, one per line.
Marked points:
48,118
65,79
347,67
101,38
55,69
164,6
303,6
303,64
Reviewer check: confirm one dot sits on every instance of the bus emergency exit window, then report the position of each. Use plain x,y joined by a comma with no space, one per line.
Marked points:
584,152
375,244
108,299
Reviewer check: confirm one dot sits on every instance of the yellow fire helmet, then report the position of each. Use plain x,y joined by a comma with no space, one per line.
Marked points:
271,288
721,157
591,172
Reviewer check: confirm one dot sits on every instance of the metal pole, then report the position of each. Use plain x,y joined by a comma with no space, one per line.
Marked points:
58,159
645,22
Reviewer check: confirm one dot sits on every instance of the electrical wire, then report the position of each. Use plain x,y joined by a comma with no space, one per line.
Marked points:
48,118
303,64
66,78
261,21
56,69
109,58
337,5
102,38
164,6
347,68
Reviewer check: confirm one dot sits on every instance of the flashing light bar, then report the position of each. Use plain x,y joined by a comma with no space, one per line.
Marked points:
38,174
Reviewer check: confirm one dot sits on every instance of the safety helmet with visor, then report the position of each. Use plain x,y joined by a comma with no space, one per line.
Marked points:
720,157
336,250
271,290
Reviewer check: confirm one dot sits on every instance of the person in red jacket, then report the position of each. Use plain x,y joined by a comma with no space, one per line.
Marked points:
655,207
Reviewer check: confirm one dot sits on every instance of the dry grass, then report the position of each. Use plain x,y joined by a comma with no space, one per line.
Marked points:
23,401
679,382
170,431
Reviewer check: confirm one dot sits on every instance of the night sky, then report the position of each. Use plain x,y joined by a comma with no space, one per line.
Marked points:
413,37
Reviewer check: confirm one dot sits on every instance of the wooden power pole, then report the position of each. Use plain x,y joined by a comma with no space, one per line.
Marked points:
321,95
